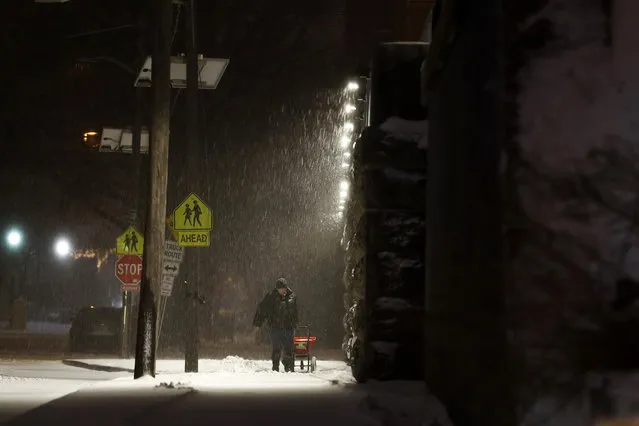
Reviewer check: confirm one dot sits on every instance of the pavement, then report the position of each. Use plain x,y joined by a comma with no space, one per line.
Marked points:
28,384
229,391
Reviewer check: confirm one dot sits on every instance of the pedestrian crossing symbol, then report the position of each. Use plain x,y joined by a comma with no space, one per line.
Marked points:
193,221
130,242
192,215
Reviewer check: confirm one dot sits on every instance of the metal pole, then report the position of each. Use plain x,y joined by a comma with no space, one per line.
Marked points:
124,338
193,169
158,177
134,198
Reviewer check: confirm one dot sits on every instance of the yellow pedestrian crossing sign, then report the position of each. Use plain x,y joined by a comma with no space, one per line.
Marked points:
192,215
191,222
130,242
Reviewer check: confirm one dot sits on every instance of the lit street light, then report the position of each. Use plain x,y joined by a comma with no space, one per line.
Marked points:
63,247
14,238
348,108
345,141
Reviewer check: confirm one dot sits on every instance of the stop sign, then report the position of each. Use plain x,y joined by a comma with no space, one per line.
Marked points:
128,269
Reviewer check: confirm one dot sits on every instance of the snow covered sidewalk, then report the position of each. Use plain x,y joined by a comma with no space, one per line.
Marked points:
235,391
27,384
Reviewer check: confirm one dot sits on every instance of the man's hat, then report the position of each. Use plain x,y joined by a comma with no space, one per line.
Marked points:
281,283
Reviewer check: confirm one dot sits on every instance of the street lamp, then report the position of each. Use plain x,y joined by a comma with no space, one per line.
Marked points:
352,86
345,141
14,238
63,247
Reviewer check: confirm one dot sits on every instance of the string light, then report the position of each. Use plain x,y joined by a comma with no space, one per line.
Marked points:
346,139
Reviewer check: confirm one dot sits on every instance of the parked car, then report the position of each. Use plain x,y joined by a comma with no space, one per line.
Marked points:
97,330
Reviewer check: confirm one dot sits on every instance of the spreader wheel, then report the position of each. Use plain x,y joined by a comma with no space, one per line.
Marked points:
313,364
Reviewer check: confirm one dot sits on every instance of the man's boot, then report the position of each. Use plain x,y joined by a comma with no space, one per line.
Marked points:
289,365
276,366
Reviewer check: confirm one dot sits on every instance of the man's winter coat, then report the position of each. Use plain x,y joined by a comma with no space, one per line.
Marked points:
279,311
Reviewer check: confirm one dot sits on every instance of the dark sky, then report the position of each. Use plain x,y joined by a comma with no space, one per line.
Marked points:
267,132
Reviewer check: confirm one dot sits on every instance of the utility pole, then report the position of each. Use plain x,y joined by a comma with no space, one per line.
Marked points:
193,175
158,177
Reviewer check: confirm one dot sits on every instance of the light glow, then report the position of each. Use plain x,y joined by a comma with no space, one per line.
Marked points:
352,86
348,108
63,247
14,238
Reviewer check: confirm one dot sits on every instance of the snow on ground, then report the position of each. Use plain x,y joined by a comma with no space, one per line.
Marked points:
398,403
25,385
231,389
230,373
18,394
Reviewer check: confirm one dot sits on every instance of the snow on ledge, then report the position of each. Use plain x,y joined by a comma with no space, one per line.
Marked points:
414,131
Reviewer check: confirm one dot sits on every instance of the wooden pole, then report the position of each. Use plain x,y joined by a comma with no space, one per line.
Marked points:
158,177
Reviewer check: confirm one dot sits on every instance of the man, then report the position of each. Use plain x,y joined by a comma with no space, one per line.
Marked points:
279,309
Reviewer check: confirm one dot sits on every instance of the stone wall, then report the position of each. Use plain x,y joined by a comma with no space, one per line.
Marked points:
384,244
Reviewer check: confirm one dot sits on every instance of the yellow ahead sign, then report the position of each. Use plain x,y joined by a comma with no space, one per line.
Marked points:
192,215
194,238
130,242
